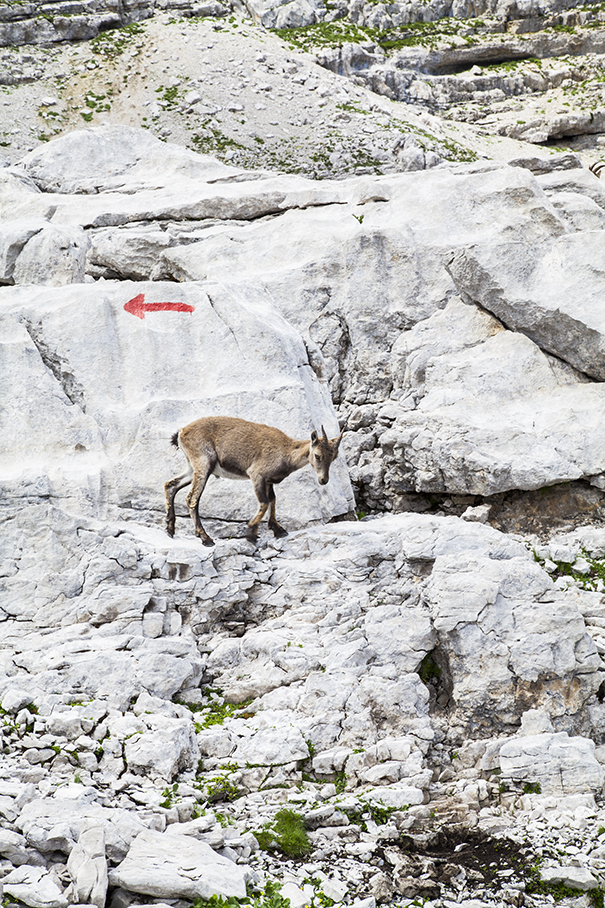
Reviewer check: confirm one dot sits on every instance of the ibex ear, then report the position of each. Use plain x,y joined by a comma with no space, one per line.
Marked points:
314,437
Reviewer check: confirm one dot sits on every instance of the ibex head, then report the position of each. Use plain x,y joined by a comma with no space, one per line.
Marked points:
323,453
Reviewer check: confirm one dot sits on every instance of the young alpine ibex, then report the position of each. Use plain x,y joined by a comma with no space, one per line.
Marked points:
237,449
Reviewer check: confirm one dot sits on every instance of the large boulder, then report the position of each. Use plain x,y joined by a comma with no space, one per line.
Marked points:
558,763
177,866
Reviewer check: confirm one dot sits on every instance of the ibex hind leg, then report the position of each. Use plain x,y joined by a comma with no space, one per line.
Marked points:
201,473
171,488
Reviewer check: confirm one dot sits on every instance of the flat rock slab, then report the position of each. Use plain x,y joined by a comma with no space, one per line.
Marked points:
177,866
552,292
574,877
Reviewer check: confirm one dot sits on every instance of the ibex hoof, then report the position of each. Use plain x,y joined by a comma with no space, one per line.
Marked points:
251,536
170,530
278,531
206,540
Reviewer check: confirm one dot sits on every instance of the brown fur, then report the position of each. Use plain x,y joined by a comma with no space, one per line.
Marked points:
225,445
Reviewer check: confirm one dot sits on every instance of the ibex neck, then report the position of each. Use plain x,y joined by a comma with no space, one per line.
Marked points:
301,454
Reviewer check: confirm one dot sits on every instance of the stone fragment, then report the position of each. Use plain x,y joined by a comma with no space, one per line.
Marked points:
396,797
167,866
53,257
35,887
13,847
167,748
299,897
570,875
535,722
87,867
14,700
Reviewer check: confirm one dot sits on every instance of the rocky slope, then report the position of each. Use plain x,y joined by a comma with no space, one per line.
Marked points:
417,82
403,701
356,712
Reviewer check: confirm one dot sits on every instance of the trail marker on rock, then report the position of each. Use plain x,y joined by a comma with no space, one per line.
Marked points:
137,306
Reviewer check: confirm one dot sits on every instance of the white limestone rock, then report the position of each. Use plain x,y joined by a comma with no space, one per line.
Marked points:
14,235
350,290
13,700
13,846
52,257
562,765
535,722
272,746
87,867
167,748
34,886
56,824
460,368
360,279
550,293
494,613
574,877
168,866
300,897
103,158
100,430
284,14
395,797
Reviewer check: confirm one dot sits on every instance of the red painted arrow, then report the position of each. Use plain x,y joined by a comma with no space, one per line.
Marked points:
137,306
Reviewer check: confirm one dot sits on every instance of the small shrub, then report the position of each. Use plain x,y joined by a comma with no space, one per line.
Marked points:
429,670
532,788
286,833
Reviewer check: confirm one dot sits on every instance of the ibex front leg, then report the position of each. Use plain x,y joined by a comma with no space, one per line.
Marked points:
277,528
261,490
201,472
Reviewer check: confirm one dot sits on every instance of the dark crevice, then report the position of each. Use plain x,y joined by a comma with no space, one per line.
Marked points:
483,60
72,388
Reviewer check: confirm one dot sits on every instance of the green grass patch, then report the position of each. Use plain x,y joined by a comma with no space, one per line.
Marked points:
113,43
269,897
286,834
592,580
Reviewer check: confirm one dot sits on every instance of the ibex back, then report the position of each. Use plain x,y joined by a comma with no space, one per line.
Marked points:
238,449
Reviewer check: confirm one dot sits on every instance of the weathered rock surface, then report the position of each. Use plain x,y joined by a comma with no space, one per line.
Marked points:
87,867
168,866
333,627
368,287
372,674
550,293
47,22
97,433
560,765
34,886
